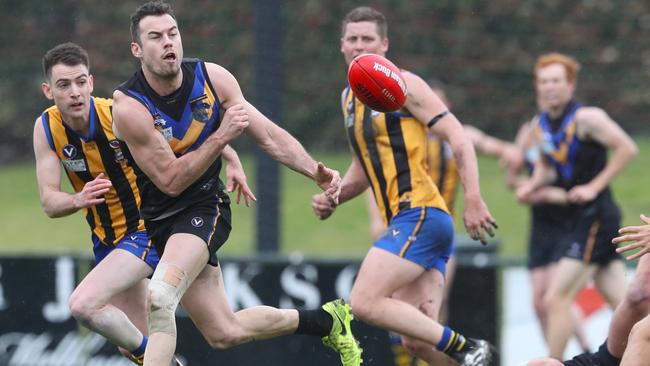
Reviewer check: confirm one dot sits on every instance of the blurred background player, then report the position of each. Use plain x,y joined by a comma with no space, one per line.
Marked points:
549,222
77,133
576,140
169,114
400,284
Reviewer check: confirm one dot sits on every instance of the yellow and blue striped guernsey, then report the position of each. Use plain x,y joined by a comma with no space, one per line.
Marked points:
85,157
392,148
443,170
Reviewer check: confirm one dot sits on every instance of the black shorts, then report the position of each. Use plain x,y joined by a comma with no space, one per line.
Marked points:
590,239
548,226
208,219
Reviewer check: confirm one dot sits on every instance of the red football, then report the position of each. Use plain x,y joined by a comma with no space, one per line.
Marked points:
377,82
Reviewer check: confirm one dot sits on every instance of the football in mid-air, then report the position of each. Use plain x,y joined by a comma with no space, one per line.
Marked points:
377,82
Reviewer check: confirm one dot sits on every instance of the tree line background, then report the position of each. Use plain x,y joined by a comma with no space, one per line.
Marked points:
482,50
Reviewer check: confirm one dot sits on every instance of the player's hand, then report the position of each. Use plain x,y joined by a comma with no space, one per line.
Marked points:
322,205
92,192
638,236
582,194
234,122
478,220
236,181
329,180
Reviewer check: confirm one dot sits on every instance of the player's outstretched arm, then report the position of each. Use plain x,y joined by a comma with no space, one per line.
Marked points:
56,203
273,139
236,176
133,123
514,159
510,155
489,145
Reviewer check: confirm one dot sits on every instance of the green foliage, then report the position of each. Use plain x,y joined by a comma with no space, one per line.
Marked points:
346,233
483,51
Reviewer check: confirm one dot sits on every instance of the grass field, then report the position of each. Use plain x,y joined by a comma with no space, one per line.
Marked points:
26,229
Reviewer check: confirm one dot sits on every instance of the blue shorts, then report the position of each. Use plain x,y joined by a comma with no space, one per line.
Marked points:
422,235
136,243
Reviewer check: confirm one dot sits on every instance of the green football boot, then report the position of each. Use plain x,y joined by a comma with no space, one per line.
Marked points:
341,338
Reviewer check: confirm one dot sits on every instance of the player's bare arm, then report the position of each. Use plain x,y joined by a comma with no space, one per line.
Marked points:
353,184
48,175
426,106
236,176
543,174
134,124
514,158
595,124
273,139
547,194
489,145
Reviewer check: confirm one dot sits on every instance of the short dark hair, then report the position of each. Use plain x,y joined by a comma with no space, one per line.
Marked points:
68,53
366,14
147,9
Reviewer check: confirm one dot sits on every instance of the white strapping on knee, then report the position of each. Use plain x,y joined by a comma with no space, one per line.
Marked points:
167,286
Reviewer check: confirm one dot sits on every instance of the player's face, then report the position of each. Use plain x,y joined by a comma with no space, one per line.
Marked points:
70,87
553,88
360,38
160,49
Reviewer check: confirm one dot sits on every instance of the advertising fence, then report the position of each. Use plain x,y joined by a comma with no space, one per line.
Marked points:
37,328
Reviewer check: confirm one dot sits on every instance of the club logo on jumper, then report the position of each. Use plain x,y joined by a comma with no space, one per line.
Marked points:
197,222
159,122
200,109
117,150
69,153
395,232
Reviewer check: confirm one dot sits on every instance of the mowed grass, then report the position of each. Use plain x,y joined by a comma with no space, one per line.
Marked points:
26,229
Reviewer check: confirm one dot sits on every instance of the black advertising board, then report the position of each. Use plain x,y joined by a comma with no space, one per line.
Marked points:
38,330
